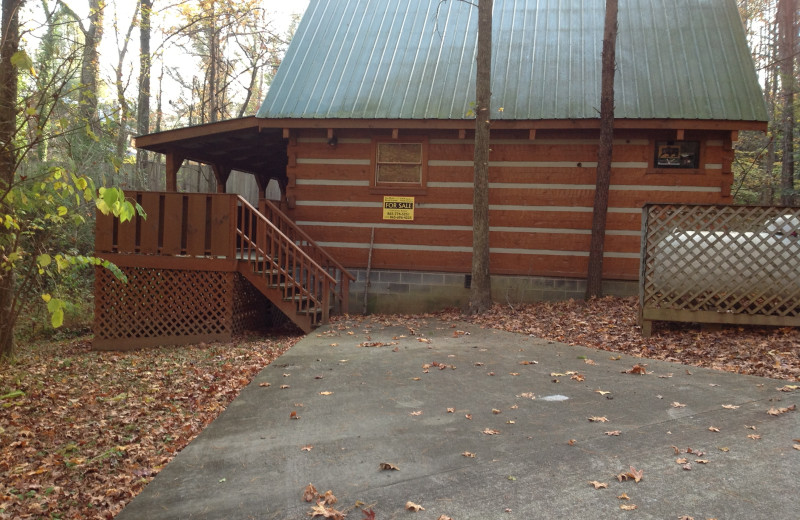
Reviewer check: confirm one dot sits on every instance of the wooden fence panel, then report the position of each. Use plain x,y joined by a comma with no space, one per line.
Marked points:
720,264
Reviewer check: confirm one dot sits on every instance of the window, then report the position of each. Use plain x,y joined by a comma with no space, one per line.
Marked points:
677,155
399,164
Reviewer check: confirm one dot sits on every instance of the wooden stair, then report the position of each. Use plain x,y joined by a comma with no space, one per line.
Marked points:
280,260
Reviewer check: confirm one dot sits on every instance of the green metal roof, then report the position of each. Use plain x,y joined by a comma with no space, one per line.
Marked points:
415,59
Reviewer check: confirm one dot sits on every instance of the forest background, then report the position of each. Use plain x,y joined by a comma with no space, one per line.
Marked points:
92,74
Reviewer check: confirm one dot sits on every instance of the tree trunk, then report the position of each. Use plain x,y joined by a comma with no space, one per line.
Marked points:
594,278
90,68
481,293
9,45
143,103
786,37
124,106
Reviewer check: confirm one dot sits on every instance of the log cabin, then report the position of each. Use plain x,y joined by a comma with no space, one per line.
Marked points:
367,130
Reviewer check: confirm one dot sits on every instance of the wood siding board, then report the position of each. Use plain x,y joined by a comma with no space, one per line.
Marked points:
196,226
172,223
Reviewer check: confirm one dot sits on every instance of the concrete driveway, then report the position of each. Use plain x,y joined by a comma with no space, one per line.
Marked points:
425,396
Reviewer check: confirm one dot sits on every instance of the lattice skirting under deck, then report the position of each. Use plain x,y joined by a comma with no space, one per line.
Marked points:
171,307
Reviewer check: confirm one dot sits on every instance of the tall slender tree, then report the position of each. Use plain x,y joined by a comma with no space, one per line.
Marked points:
595,275
143,102
787,35
481,292
9,157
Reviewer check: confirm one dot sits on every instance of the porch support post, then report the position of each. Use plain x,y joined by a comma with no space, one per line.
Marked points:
262,180
221,173
174,162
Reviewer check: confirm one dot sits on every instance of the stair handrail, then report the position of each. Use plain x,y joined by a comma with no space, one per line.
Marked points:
310,288
297,248
284,219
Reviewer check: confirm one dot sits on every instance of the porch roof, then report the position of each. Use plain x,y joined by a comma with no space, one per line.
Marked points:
246,144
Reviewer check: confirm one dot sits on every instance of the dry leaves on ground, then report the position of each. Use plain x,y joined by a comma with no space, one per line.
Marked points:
88,430
611,324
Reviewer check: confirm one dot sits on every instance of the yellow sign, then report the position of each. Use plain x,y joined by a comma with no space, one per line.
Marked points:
398,208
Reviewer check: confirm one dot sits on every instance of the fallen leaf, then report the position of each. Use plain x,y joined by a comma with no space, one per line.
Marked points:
309,493
636,474
701,461
754,436
628,507
598,419
749,427
788,388
624,496
796,446
730,406
479,364
677,451
602,392
451,410
468,416
676,404
637,369
264,385
415,413
496,411
490,374
369,514
572,442
578,377
557,374
665,376
386,466
325,512
411,506
444,517
527,395
326,393
724,449
512,477
614,433
490,431
307,447
778,411
681,461
528,362
589,362
513,373
284,387
293,415
598,485
687,467
713,429
328,499
468,454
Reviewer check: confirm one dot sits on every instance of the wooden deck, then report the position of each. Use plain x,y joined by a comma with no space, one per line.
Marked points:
201,267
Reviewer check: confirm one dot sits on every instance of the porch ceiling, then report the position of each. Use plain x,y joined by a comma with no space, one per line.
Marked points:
242,144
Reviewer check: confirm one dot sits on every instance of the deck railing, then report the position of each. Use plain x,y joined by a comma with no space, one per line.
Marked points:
217,232
720,264
195,225
297,235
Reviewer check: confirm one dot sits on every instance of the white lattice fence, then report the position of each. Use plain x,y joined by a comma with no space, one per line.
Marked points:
720,264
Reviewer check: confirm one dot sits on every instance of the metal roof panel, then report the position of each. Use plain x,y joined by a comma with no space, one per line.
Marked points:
363,59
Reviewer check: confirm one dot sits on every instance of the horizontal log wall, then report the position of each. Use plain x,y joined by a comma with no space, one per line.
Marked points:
541,197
